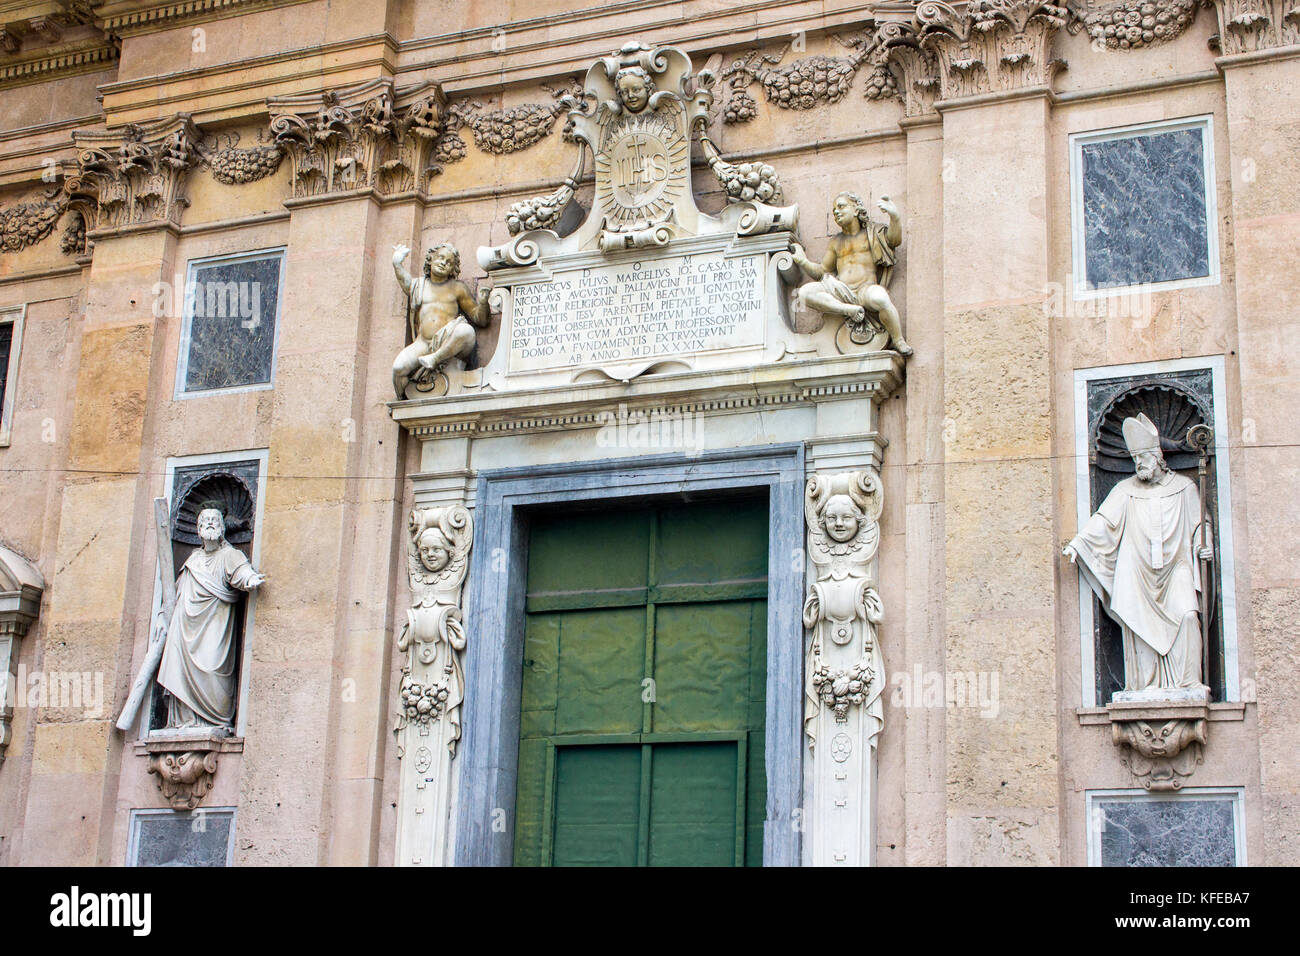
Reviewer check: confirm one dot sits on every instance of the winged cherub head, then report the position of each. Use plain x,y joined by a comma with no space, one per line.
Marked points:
841,518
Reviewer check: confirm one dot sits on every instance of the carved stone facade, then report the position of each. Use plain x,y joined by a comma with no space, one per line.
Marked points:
935,689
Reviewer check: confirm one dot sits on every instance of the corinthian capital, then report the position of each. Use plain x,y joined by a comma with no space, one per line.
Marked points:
136,173
1252,26
991,46
369,136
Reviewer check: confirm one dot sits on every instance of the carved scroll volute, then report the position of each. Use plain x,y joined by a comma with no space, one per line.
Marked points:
438,542
845,670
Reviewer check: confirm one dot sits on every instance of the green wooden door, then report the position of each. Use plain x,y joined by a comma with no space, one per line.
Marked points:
645,670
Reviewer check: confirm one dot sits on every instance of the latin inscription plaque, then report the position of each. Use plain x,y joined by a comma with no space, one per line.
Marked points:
637,311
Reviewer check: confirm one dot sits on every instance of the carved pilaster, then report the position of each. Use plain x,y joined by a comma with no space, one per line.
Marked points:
438,542
991,46
1251,26
136,173
844,672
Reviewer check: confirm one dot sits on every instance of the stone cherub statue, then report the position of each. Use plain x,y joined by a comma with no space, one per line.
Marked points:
850,281
198,660
1139,554
442,313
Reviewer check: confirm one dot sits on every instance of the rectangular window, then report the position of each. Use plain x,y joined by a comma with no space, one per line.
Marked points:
231,316
203,837
11,338
1197,827
1143,207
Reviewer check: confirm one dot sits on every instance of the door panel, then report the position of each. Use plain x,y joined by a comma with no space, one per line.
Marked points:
594,787
643,691
705,655
693,804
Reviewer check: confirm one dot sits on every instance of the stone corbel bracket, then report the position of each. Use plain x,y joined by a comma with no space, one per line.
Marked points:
1161,742
186,766
21,586
136,173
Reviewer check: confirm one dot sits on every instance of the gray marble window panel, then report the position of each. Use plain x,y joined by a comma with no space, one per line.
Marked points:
1144,209
231,313
1181,831
200,838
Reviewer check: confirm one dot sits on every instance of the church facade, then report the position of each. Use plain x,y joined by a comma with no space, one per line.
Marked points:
649,434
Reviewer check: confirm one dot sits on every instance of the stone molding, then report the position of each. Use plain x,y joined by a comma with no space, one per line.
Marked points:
21,587
68,59
805,381
126,19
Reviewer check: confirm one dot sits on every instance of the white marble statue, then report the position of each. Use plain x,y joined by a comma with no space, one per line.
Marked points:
198,660
442,313
438,547
845,669
850,281
1139,553
432,688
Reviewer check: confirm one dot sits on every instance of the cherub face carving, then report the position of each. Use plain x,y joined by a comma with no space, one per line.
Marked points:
435,549
841,519
634,88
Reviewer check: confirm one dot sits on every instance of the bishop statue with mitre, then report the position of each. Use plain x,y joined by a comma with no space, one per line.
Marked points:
1138,554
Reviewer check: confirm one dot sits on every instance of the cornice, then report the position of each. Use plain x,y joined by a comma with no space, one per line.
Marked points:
84,56
1255,57
127,19
241,89
717,391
